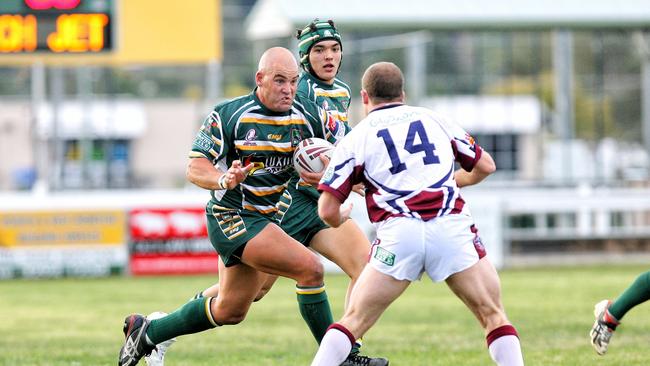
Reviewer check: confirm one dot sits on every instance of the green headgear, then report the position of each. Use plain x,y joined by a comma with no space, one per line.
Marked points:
313,33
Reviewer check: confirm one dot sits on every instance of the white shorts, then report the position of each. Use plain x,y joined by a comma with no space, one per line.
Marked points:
406,247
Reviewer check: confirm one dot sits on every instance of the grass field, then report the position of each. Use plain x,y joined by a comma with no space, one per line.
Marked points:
78,322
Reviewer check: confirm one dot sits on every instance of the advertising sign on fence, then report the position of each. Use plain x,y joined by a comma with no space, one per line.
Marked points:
170,241
61,227
67,242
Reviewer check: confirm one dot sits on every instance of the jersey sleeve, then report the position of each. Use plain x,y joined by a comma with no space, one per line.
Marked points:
345,168
335,128
209,141
324,124
466,150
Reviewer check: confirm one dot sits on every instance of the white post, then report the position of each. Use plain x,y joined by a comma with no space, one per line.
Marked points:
563,68
39,142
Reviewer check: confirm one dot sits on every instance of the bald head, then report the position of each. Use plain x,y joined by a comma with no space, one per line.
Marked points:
384,83
277,79
277,57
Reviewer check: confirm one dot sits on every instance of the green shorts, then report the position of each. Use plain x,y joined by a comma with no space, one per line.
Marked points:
229,231
298,214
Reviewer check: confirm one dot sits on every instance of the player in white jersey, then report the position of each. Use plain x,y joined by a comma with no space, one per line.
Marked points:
405,156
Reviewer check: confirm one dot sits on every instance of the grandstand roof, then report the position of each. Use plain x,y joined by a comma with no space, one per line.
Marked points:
279,18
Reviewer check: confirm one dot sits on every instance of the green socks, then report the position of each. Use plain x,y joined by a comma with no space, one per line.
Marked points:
193,317
637,293
315,309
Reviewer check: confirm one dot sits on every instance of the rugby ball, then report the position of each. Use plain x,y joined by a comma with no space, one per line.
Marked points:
306,155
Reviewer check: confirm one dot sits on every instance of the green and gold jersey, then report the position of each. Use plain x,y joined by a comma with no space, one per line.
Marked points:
335,99
244,129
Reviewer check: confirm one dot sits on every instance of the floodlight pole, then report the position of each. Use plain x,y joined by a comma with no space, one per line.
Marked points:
564,116
57,91
39,141
416,67
645,102
84,90
213,81
643,45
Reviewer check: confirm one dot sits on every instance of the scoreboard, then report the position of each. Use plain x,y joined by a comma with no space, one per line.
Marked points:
110,32
56,26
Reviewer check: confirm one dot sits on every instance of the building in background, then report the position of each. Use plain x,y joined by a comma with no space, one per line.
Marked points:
88,87
581,72
107,95
558,92
587,68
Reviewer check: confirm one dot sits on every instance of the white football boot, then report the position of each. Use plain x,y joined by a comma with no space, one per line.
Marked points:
602,330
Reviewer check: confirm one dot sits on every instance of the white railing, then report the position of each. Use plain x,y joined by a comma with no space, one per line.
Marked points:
558,214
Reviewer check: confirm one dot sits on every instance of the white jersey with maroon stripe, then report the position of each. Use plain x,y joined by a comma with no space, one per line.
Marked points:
405,156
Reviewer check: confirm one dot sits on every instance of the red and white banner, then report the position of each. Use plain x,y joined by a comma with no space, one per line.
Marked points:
170,241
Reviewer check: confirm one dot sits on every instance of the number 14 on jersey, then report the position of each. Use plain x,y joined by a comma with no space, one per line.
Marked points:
416,128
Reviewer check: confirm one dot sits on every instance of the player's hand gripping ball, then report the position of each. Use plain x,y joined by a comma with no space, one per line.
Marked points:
305,156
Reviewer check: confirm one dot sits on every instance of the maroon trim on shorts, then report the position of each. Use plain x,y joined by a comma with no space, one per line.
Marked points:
345,331
478,244
504,330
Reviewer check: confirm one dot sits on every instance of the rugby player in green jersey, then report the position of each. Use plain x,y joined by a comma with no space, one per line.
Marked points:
243,156
320,52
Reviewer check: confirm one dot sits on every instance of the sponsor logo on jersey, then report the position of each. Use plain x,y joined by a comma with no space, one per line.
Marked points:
257,169
326,106
257,162
274,136
267,164
251,136
210,121
203,141
392,119
332,124
385,256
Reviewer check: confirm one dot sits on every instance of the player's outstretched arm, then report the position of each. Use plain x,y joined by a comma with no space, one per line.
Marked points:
201,172
483,167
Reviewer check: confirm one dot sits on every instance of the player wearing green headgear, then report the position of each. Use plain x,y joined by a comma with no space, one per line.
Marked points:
316,33
320,51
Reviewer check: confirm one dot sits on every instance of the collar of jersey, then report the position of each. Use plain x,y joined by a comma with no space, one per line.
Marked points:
387,106
321,84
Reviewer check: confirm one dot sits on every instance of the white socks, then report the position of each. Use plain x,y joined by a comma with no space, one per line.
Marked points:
335,346
504,346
